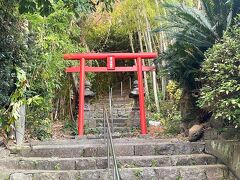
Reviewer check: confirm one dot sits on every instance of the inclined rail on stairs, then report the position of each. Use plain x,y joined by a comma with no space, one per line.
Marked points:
109,140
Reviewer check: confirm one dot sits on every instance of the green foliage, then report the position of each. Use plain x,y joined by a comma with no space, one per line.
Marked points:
173,91
194,32
221,83
32,6
169,115
57,166
46,7
179,178
54,35
17,99
70,126
42,129
138,173
12,50
92,131
36,42
183,65
170,118
202,28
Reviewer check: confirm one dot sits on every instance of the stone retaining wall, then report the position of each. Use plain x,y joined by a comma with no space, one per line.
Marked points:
227,151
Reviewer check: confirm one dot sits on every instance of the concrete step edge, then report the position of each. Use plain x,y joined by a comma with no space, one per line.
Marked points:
217,171
166,167
119,157
100,144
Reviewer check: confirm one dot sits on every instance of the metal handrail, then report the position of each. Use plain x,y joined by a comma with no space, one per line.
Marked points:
108,136
111,107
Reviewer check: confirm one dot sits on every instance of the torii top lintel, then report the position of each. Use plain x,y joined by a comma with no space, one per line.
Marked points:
95,56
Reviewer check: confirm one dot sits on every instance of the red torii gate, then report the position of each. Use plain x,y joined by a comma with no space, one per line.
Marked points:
111,67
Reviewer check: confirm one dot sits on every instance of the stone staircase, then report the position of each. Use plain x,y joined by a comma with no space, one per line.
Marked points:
121,111
137,158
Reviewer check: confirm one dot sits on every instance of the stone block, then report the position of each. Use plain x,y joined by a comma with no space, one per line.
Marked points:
90,152
101,163
4,152
124,150
131,174
164,149
144,150
180,160
4,175
197,147
236,158
90,175
214,173
183,148
227,151
167,173
106,175
84,164
47,176
163,161
149,174
190,173
20,176
56,151
102,151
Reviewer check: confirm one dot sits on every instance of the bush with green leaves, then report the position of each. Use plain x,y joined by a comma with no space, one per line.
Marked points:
193,31
221,81
12,50
170,116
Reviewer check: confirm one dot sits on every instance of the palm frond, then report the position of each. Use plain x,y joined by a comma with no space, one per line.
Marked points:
199,27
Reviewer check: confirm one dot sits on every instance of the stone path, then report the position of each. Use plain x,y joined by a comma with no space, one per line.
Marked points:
138,158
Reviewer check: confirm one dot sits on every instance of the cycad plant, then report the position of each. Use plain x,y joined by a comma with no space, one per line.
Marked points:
199,27
193,31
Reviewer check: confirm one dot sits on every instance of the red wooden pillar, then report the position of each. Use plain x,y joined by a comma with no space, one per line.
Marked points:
141,97
81,98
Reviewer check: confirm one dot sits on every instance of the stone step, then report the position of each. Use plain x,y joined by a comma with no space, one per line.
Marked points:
101,162
97,148
115,116
115,124
116,97
84,140
114,108
206,172
115,120
105,102
100,130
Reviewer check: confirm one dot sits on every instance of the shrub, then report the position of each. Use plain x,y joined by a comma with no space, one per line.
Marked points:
221,83
170,116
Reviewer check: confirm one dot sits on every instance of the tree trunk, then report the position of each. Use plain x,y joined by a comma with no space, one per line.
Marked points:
154,76
189,110
144,73
131,41
162,48
131,44
163,78
199,5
